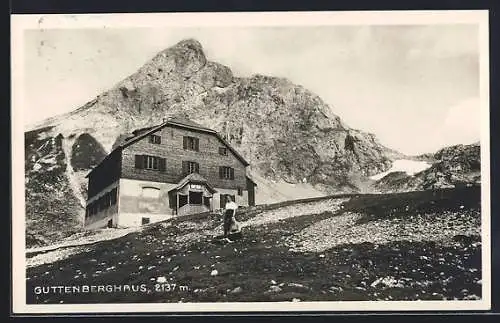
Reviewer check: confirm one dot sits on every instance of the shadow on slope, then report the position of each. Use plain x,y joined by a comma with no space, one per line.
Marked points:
260,266
378,206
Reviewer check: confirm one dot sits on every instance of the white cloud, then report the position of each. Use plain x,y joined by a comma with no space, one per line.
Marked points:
462,124
394,81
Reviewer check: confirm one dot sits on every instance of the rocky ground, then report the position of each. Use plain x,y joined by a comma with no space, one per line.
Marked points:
71,245
454,166
412,246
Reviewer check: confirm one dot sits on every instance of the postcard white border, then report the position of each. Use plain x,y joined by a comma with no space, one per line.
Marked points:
20,23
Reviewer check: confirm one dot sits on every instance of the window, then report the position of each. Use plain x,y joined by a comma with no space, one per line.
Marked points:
102,203
145,221
206,201
114,196
155,139
226,172
150,162
240,191
189,167
183,200
223,151
92,209
191,143
151,192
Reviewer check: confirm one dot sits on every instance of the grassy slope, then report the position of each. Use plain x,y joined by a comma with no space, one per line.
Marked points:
263,265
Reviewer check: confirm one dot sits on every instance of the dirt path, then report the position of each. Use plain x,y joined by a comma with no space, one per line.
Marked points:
71,246
331,205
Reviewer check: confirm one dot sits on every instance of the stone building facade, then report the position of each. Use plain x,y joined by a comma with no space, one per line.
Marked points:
173,169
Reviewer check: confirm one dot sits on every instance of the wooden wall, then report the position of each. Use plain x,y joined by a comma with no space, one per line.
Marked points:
105,174
251,192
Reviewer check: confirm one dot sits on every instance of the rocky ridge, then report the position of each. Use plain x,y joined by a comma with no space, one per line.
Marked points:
453,166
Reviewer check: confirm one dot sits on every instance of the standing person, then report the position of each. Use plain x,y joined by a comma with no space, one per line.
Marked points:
229,213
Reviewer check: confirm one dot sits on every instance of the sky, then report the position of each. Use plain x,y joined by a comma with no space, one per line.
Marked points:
415,87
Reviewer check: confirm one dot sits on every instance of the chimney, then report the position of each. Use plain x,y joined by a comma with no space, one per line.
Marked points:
166,118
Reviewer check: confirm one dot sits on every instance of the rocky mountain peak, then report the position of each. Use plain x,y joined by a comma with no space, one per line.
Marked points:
185,58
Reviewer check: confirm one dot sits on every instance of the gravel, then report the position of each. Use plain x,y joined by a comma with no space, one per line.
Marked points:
294,211
345,229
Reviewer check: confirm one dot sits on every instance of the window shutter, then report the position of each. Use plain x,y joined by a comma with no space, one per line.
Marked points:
220,172
197,168
139,161
163,164
197,144
184,142
231,173
158,140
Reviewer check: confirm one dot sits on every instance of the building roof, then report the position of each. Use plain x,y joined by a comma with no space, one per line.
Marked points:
186,124
140,130
250,178
193,178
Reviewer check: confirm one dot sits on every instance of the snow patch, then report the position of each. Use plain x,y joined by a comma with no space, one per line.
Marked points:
70,174
49,160
270,191
410,167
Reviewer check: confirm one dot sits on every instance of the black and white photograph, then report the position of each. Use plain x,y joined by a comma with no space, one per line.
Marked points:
312,161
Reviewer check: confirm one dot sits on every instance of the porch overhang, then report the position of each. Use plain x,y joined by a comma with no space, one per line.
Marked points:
195,181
